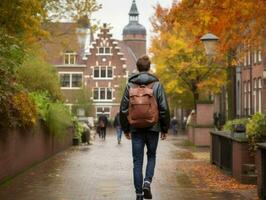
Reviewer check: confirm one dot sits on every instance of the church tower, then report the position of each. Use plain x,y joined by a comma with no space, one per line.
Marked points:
134,34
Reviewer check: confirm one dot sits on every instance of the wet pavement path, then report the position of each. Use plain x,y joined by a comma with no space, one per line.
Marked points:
103,171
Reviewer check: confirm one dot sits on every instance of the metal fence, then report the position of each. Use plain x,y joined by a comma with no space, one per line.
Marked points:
226,153
263,173
216,150
222,152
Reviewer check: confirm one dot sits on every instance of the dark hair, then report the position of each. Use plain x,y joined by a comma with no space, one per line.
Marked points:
144,64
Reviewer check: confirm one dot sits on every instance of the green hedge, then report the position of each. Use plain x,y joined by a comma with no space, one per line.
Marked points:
229,125
256,130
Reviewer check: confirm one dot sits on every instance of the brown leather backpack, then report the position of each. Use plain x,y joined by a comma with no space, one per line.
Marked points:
143,108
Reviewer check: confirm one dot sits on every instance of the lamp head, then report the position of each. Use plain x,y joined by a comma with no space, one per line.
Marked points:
210,42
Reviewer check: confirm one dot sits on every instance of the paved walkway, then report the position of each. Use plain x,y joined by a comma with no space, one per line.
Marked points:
103,171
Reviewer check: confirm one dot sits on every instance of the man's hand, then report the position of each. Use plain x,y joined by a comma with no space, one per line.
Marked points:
163,136
128,136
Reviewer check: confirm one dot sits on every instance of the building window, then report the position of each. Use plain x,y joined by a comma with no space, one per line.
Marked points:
249,99
65,80
96,72
109,93
70,58
96,93
102,93
259,95
76,80
249,58
71,80
259,55
101,50
104,51
255,56
238,98
100,110
107,50
255,95
245,60
245,98
109,72
103,73
105,94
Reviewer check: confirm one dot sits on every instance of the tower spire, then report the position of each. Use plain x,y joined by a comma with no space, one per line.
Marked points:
134,13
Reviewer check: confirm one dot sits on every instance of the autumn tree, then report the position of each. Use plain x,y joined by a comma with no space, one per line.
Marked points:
22,26
233,21
182,64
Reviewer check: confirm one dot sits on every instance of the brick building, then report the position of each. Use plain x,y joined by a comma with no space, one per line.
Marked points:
100,65
249,83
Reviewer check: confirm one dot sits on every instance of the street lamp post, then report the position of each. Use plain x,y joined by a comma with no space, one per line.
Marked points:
210,42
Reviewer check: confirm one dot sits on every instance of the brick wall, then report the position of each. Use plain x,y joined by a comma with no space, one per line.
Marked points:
20,149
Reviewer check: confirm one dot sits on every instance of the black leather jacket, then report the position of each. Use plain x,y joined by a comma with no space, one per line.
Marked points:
145,78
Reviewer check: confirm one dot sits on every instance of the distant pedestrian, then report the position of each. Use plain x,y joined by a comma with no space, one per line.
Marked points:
102,124
144,113
174,125
118,128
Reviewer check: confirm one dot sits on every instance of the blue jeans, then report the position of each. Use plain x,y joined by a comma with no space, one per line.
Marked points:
119,133
139,140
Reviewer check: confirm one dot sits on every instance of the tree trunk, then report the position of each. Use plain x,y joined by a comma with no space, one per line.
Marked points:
196,98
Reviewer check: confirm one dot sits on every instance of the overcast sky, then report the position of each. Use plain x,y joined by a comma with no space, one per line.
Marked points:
115,12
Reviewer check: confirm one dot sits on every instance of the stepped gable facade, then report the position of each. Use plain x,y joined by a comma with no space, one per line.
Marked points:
100,65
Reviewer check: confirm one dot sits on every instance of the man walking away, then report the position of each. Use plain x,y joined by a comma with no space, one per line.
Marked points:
144,113
118,128
102,123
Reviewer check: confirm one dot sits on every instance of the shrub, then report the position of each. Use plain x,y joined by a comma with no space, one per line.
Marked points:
256,130
24,109
42,102
83,101
37,75
17,110
229,125
55,114
58,119
78,128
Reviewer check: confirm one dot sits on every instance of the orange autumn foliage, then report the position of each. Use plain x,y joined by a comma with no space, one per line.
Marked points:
234,21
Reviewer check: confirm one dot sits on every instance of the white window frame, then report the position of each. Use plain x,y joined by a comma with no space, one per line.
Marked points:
100,112
255,95
245,60
69,54
72,73
245,97
105,96
260,94
249,57
100,73
259,55
104,51
249,100
255,56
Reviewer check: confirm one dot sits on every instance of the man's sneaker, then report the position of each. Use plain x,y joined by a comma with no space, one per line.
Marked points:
147,190
139,197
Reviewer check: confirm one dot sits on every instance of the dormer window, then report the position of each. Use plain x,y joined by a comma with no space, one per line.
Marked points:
70,58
